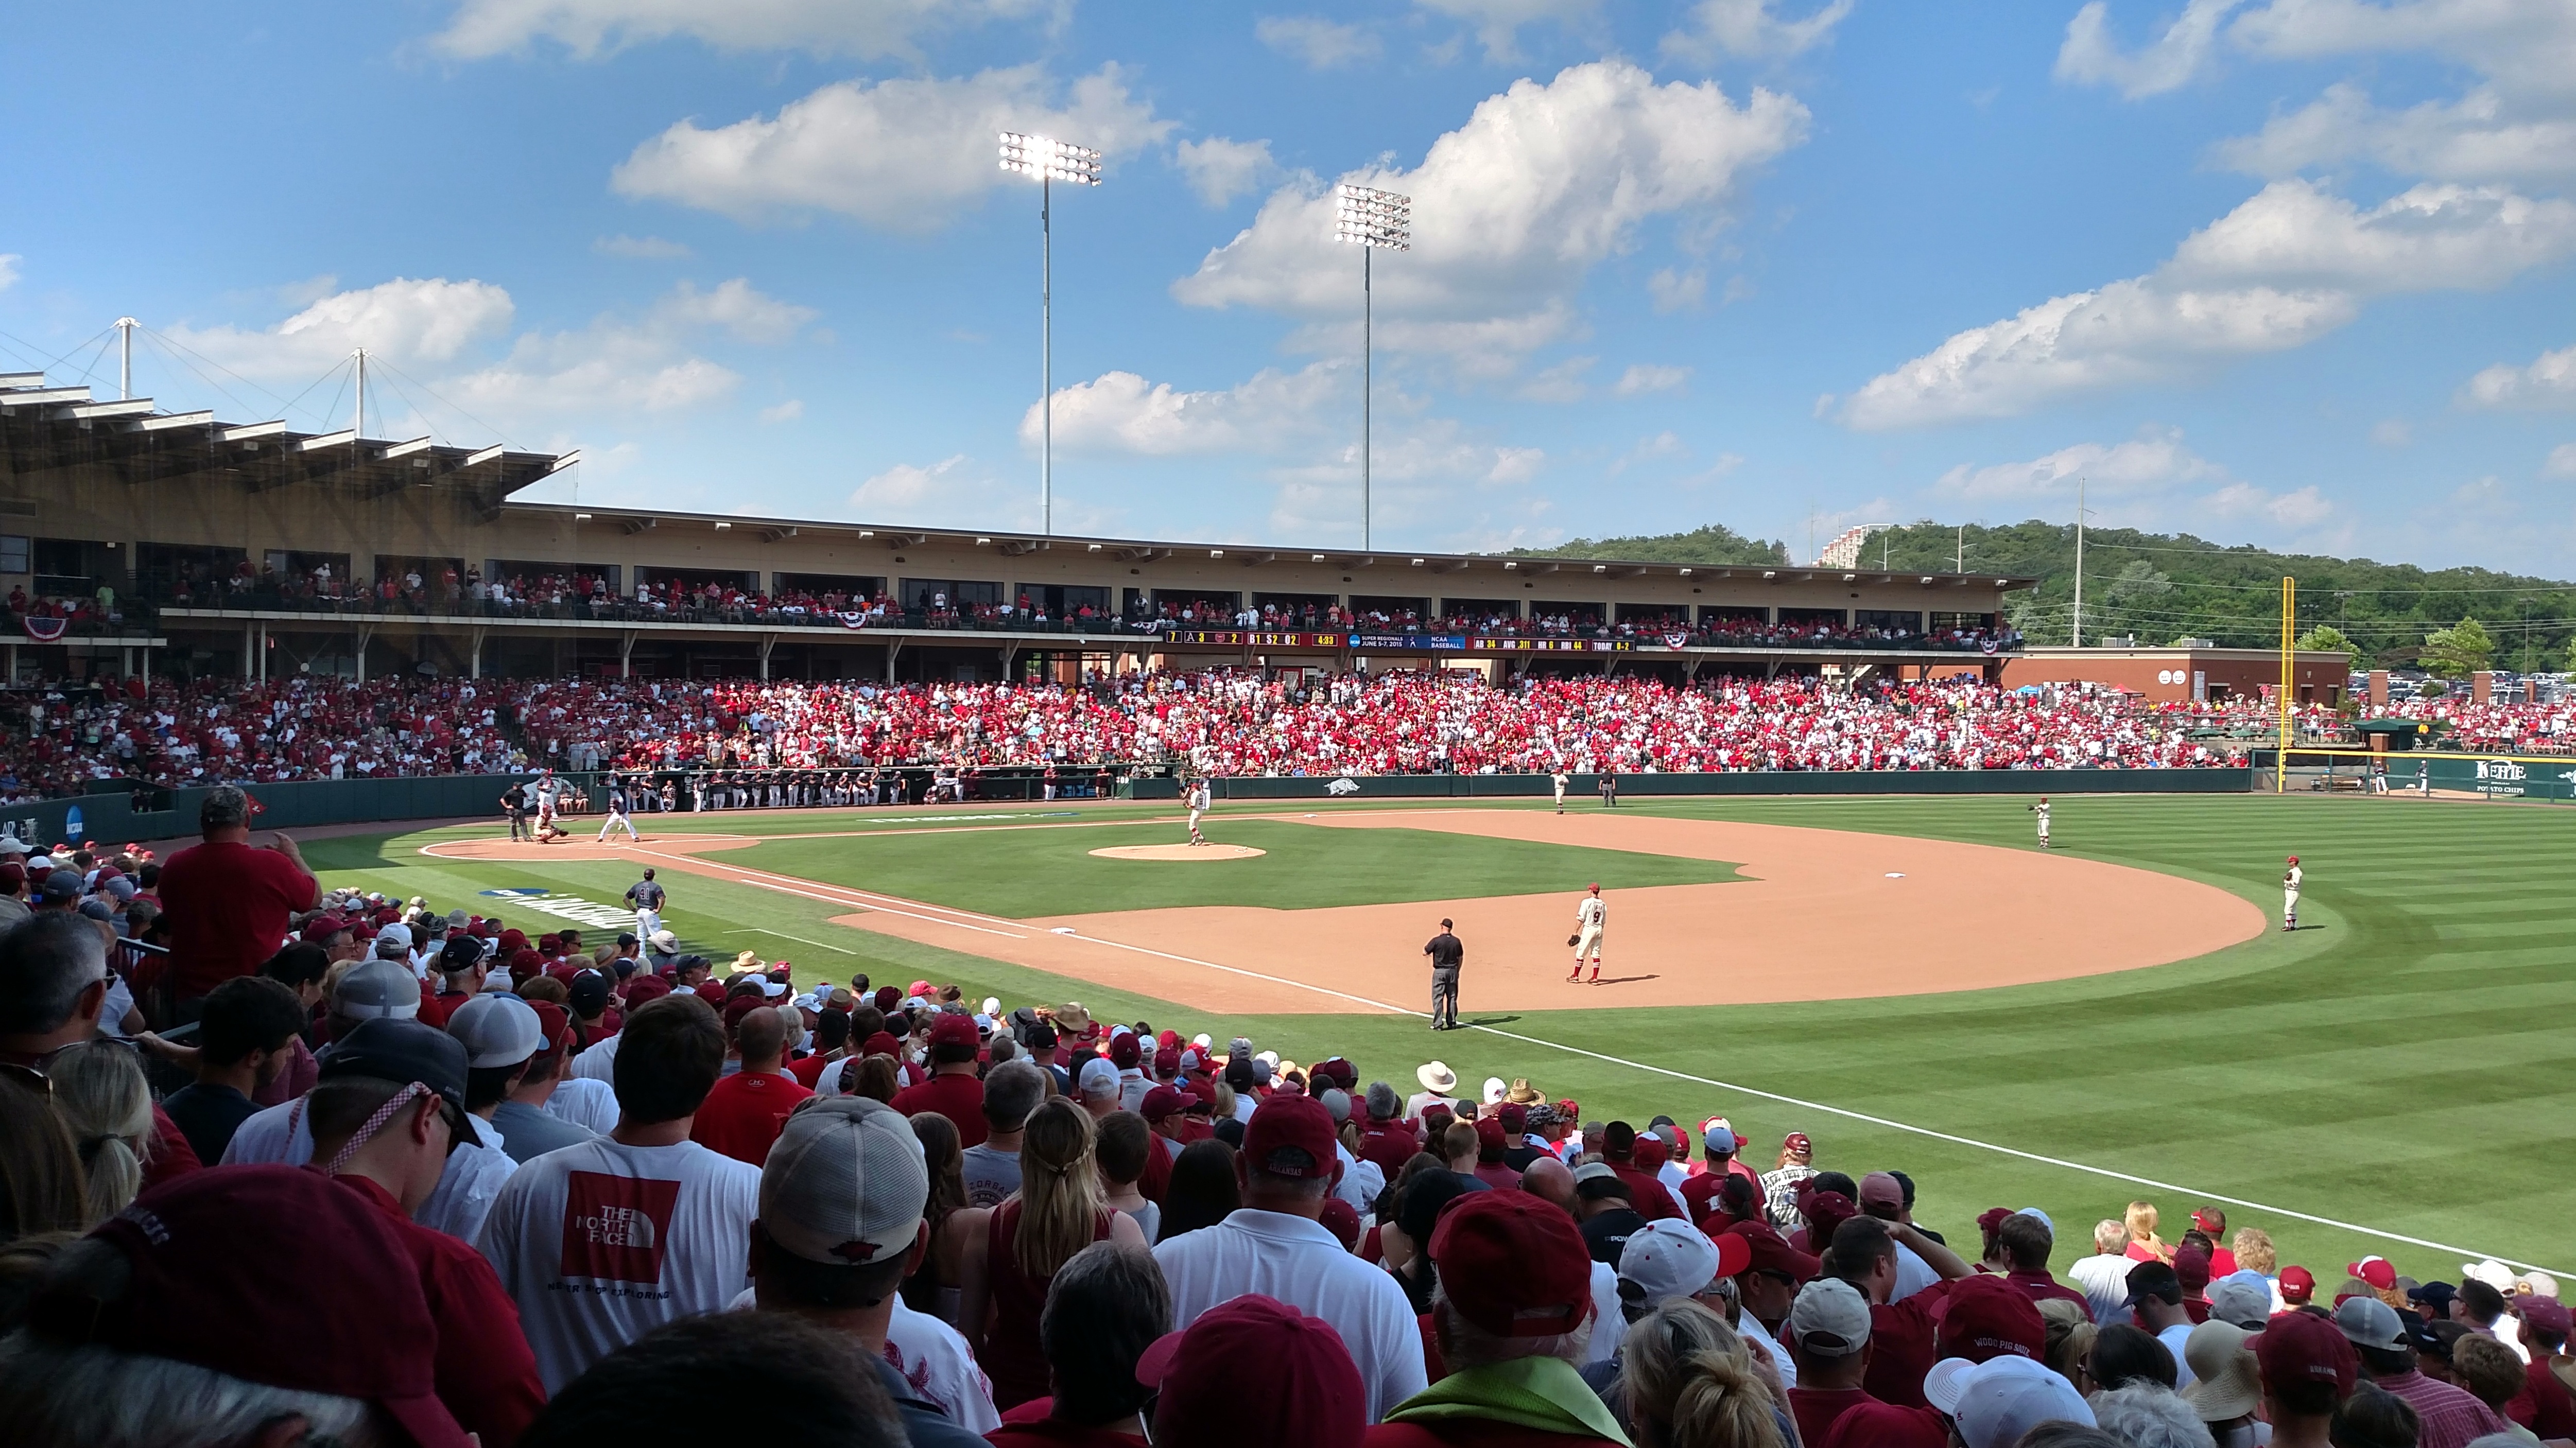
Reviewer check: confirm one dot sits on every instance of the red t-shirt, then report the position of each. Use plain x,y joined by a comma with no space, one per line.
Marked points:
957,1096
742,1116
485,1372
1029,1426
2544,1405
809,1070
228,906
1901,1336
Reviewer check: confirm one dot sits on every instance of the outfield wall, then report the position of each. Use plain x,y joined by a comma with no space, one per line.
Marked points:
114,818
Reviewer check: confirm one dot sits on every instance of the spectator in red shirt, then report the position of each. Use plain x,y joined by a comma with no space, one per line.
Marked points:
1829,1334
1387,1139
953,1089
2025,1239
1104,1310
2545,1406
229,901
1648,1195
743,1114
407,1082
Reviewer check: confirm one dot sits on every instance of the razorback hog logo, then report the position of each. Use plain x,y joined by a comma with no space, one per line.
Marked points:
1343,786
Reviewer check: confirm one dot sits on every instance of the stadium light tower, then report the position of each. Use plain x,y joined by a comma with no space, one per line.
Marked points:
1369,219
1050,161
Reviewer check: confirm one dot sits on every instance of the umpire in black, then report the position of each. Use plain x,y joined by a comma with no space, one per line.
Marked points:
1446,952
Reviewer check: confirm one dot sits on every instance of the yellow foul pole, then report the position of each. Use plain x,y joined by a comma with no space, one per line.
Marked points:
2289,625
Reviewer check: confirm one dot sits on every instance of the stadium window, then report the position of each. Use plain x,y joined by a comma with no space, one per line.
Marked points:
863,585
1395,608
1480,609
1065,600
962,593
1832,616
1658,614
1733,613
1894,620
159,568
14,554
1961,622
1583,615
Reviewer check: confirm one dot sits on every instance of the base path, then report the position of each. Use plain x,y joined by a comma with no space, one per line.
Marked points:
1820,915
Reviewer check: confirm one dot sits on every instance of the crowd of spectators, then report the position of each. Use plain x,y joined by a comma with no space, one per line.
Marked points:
208,731
412,1175
1230,722
2497,727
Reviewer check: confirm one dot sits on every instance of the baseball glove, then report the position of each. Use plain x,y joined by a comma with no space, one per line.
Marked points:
1573,940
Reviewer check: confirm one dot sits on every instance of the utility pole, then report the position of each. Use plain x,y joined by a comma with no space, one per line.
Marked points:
2078,635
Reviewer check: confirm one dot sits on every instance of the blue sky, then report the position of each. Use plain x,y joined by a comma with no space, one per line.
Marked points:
2294,272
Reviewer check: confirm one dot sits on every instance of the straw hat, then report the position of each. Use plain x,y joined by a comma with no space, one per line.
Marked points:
1523,1093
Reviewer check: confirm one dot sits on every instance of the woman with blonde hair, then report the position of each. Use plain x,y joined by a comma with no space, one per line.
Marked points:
1687,1381
106,1104
2144,1244
2255,1252
1059,1209
2067,1346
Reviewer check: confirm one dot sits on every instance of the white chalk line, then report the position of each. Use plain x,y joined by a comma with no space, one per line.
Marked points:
893,904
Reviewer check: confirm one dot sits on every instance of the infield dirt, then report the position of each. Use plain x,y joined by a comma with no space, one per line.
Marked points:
1819,915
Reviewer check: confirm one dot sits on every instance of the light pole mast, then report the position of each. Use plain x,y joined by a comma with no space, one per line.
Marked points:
2078,638
125,362
1050,161
1370,219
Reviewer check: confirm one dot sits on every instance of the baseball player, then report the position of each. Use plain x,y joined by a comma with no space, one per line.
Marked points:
548,787
645,898
1588,920
2041,809
2290,879
1560,780
1198,809
617,813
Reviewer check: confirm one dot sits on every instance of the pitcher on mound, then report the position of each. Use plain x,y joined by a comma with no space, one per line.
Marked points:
1198,809
1588,920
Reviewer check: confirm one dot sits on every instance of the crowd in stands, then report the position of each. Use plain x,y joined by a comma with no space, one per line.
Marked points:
412,1175
2497,727
1230,722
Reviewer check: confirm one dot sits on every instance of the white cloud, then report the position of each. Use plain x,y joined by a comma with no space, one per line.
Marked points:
2561,462
788,411
2476,138
1510,210
1746,29
9,269
1320,43
642,248
409,321
1121,412
906,489
439,333
2392,432
2289,265
2304,508
1497,23
1642,377
2549,382
1219,170
1560,382
2154,461
2090,56
589,28
904,155
2528,48
1678,291
2150,480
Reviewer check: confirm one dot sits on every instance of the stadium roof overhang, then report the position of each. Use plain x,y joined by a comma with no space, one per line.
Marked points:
63,434
1388,565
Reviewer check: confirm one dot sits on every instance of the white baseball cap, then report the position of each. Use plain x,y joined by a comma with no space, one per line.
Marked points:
2004,1398
373,988
497,1030
845,1184
1098,1078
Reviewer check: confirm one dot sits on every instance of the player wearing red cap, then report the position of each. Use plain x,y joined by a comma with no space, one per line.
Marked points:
1589,918
2290,879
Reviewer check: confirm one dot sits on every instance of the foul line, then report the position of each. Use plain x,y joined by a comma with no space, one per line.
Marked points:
891,904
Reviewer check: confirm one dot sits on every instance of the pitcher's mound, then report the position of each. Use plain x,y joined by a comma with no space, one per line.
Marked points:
1179,852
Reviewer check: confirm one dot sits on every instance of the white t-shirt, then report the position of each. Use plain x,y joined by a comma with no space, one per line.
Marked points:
585,1101
933,1357
1361,1181
601,1243
598,1062
473,1176
1750,1328
2173,1338
1301,1264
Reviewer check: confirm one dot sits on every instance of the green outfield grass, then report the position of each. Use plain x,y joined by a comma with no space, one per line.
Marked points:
2405,1064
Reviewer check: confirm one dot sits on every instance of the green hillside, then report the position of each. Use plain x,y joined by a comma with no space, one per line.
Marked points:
2167,586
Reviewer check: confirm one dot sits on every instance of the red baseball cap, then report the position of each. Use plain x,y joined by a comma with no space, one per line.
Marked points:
1825,1212
712,993
1291,1121
1124,1051
1796,1141
1513,1264
1162,1103
2298,1285
949,1030
2301,1347
2379,1272
645,989
1489,1131
883,1043
1257,1373
1341,1219
1772,1252
1987,1317
204,1290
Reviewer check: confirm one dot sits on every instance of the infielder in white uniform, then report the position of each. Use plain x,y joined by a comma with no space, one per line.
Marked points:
1589,917
617,814
1560,781
2041,809
2290,879
1198,810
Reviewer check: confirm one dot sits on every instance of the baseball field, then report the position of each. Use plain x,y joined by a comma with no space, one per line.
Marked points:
1905,979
